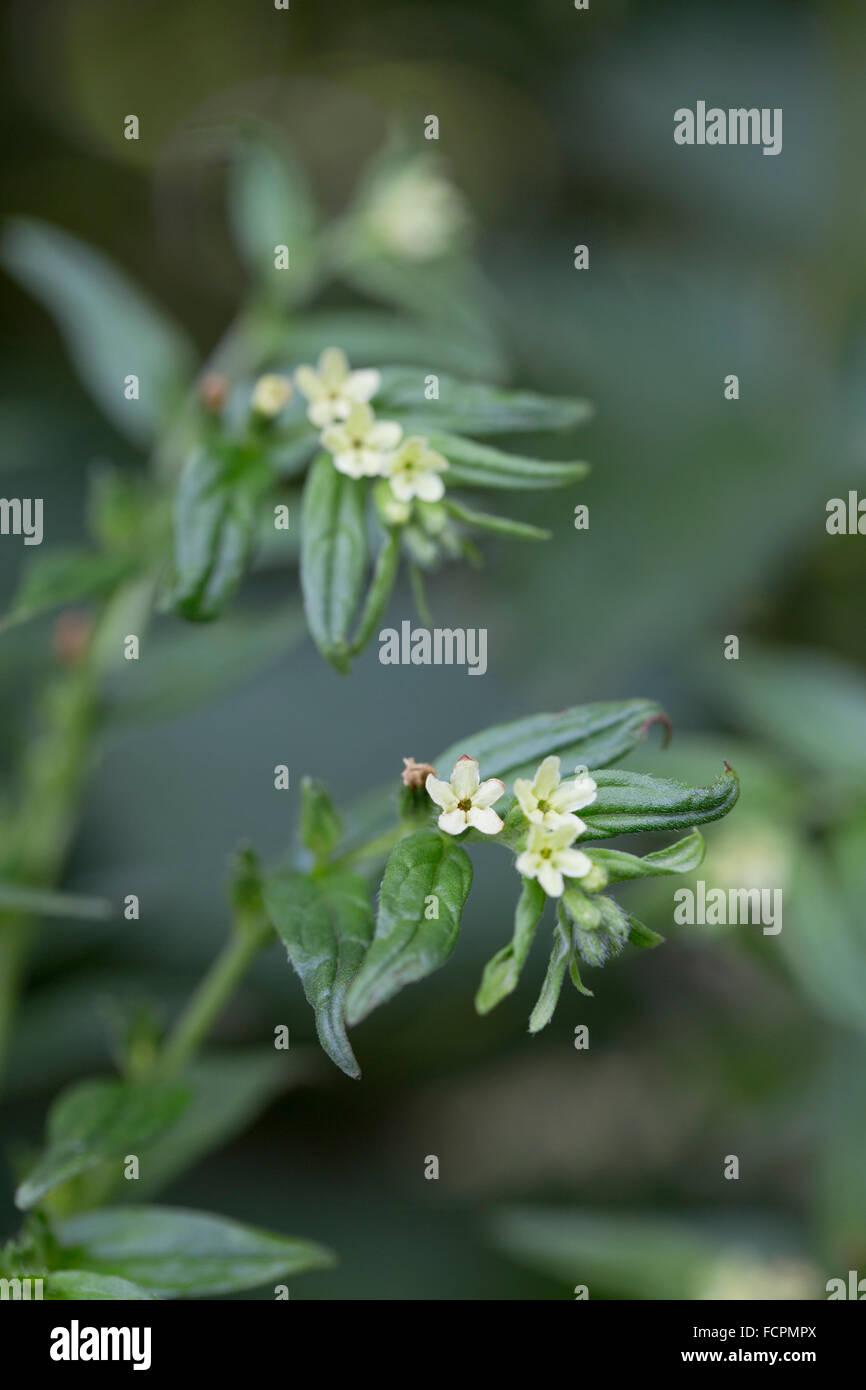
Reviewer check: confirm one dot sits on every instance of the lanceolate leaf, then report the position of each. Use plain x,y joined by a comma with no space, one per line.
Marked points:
98,1120
77,1285
271,206
473,407
214,528
595,735
379,591
502,972
110,328
679,858
321,826
550,990
174,1253
499,525
480,465
628,802
333,556
426,883
327,925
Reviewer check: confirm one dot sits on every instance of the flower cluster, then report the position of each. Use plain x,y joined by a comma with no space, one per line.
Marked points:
362,446
548,804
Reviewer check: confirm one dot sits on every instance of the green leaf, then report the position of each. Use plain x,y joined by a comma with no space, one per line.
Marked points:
369,336
643,936
81,1284
215,514
379,592
480,465
552,987
321,826
61,577
502,972
628,802
680,858
473,407
326,925
41,902
175,1253
333,556
110,329
425,872
228,1089
594,735
500,525
271,205
98,1120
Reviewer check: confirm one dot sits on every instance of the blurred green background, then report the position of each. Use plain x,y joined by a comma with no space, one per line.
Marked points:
558,1167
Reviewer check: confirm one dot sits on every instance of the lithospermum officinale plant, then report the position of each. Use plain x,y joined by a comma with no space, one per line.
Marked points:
504,788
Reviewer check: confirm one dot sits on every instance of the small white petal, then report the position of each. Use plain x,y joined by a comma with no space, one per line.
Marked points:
573,862
464,778
440,792
321,413
309,383
401,486
547,778
429,487
525,864
350,463
551,880
333,368
485,820
363,385
489,792
384,434
453,822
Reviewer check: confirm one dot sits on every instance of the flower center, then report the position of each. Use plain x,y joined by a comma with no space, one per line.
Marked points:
544,806
465,805
545,853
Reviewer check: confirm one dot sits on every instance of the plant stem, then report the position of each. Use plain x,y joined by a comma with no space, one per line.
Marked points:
209,999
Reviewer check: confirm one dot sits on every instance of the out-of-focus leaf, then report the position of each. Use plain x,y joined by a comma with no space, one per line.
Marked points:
333,556
62,577
321,826
228,1090
326,925
370,337
379,591
502,972
680,858
426,873
187,666
82,1284
271,205
98,1120
480,465
499,525
39,902
473,408
653,1257
629,802
175,1253
822,939
111,330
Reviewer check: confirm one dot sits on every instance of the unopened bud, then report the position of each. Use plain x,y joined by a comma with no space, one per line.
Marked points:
271,394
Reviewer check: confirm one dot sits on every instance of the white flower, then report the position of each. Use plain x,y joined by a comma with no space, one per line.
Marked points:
548,856
360,444
334,388
271,394
414,471
465,800
547,801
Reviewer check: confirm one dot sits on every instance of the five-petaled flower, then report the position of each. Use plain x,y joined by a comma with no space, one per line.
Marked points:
549,855
360,444
413,471
548,802
334,388
465,800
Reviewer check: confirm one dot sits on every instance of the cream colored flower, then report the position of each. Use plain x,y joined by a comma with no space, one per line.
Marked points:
549,855
271,394
418,215
413,471
549,802
466,800
361,443
333,389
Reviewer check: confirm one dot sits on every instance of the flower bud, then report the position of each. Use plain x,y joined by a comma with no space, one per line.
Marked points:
595,880
392,511
271,394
